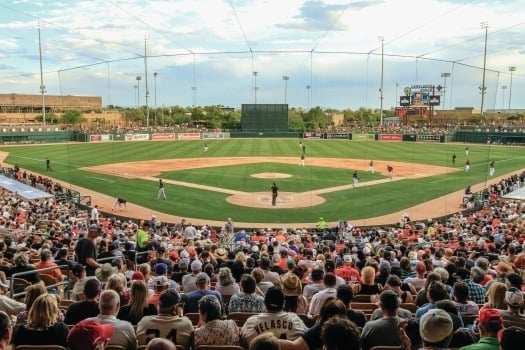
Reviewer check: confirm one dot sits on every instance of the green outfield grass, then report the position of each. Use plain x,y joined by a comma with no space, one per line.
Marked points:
66,159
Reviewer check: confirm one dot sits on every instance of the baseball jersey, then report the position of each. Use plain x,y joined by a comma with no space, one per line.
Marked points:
175,328
282,324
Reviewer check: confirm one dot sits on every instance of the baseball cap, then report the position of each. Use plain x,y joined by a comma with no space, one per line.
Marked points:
202,277
87,333
274,299
514,297
488,315
93,227
435,326
196,265
169,298
77,269
137,275
511,338
347,258
161,281
161,269
183,263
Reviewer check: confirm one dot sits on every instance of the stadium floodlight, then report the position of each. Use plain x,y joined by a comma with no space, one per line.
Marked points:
511,70
483,88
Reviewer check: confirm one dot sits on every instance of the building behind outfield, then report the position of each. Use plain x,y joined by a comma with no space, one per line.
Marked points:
22,103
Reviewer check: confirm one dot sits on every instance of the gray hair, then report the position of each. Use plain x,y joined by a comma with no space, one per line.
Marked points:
482,263
210,305
443,273
109,300
477,274
225,276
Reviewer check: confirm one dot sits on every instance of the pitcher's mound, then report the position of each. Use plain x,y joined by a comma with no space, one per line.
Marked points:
271,175
284,200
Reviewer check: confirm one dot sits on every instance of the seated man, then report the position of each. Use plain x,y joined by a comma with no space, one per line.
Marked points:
282,324
203,288
109,305
167,323
81,310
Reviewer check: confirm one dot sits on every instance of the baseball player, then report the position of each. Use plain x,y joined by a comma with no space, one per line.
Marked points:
467,166
467,150
356,179
454,158
161,192
206,148
371,166
121,202
491,168
390,171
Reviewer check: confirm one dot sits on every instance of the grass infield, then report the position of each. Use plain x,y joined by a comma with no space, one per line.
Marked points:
363,202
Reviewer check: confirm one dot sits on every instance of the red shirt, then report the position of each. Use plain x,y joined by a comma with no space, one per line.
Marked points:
348,273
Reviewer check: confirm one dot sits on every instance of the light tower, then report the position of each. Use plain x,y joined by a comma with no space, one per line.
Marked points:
483,88
511,70
444,75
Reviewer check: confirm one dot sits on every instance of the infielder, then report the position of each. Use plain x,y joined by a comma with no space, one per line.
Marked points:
121,202
467,166
371,166
491,168
356,179
161,192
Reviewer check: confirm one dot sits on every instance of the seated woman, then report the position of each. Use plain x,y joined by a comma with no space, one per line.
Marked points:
138,305
33,292
211,330
226,284
22,265
42,327
368,285
117,282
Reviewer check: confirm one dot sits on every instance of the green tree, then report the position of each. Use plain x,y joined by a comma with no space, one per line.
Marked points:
71,117
295,121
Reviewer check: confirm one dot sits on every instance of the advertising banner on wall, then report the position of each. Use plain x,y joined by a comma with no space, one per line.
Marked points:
100,138
313,135
163,137
363,137
391,137
137,137
427,138
189,136
337,135
213,135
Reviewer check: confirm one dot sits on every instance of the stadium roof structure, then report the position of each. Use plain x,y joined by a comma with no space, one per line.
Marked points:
24,191
518,194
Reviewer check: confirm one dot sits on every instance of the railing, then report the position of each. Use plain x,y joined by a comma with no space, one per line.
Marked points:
65,282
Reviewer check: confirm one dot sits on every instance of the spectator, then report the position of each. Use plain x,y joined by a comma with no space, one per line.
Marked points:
460,295
138,305
202,283
168,323
368,285
248,300
6,331
89,335
435,329
161,270
476,292
338,333
380,332
160,344
329,292
33,292
293,294
86,251
109,306
80,273
276,321
117,282
489,324
10,306
21,261
436,291
86,308
161,284
496,296
212,330
258,275
188,281
419,280
42,327
394,283
226,284
347,271
345,294
511,338
512,315
265,341
311,339
421,297
316,286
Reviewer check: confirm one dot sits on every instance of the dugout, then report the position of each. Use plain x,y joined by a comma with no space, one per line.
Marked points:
264,117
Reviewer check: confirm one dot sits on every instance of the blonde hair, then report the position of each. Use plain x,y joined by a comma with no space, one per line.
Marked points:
33,292
117,282
43,312
496,295
145,269
368,274
240,257
139,299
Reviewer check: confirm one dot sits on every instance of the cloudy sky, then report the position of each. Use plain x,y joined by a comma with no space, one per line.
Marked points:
206,51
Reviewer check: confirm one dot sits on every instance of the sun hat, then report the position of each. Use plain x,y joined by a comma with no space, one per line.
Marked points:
221,253
291,285
103,273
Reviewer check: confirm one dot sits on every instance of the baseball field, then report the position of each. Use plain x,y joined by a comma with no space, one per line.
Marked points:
232,178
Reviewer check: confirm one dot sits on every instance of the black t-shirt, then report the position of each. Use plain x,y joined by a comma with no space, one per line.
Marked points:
86,249
312,337
81,310
358,317
124,315
54,335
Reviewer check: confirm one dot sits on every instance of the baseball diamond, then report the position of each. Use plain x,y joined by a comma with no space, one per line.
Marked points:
233,178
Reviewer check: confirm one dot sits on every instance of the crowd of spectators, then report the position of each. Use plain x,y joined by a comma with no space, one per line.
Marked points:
451,283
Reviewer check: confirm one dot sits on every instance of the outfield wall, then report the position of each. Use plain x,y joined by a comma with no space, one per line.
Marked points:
53,135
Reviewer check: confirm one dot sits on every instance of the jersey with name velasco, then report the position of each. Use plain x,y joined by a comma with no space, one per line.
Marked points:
284,325
175,328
